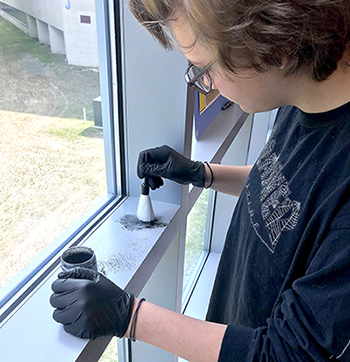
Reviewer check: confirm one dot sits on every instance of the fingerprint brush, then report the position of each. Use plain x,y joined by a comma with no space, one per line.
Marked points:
145,210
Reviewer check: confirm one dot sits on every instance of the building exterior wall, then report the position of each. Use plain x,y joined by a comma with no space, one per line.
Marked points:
80,38
32,27
65,33
57,40
48,11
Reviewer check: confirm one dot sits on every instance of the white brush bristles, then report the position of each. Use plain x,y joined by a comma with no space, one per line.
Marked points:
145,210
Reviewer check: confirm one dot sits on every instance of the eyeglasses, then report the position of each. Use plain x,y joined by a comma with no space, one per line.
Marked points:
199,78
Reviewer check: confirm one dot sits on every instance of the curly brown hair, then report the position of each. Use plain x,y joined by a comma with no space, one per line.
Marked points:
258,34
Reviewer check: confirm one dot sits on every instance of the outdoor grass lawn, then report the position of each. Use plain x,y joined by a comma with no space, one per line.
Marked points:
34,80
51,174
52,161
19,44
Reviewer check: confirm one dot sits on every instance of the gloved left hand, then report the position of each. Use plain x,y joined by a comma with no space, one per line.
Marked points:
164,162
89,305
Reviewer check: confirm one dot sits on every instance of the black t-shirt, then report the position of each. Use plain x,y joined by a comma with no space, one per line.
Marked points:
283,282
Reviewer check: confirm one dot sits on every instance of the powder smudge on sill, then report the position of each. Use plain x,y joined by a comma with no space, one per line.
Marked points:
132,223
114,264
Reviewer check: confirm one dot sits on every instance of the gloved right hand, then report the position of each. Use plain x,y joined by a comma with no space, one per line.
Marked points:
159,162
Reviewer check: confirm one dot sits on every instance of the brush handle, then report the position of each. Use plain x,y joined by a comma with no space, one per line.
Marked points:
144,189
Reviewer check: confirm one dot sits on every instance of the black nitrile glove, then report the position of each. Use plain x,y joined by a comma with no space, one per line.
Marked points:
89,305
155,163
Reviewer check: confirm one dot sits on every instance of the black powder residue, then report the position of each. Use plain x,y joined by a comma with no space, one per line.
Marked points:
102,269
114,264
132,223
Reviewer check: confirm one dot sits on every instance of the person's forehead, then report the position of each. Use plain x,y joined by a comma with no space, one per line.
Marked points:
194,51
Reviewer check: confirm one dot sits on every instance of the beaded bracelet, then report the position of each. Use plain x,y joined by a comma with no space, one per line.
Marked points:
212,175
133,323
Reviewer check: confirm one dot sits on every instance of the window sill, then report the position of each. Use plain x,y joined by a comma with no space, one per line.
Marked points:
127,257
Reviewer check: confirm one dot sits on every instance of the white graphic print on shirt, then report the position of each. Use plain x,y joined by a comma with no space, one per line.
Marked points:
278,212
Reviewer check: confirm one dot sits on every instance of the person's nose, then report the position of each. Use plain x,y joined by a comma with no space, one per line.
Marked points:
206,82
213,85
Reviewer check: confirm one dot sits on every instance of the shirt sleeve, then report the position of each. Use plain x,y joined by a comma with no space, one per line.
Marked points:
311,321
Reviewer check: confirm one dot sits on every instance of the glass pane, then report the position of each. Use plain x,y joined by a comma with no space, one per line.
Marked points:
52,163
196,237
111,352
203,82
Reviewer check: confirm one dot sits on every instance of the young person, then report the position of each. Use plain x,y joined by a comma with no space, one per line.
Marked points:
282,290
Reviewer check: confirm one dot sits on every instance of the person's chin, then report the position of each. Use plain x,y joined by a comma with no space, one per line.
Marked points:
251,108
248,108
245,109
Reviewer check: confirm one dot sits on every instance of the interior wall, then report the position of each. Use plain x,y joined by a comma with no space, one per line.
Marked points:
155,101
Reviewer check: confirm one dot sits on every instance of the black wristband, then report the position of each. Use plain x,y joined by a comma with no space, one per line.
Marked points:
133,322
212,175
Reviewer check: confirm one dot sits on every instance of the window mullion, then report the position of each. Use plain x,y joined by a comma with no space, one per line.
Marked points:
106,83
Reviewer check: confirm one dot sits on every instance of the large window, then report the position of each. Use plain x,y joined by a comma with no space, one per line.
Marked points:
111,352
75,132
60,161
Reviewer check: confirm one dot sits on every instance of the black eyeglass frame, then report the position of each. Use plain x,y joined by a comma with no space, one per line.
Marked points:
201,71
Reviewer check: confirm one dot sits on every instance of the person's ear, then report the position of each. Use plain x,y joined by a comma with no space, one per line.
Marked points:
286,63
